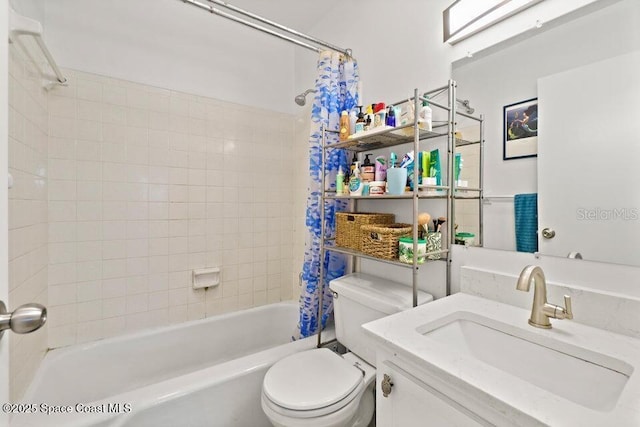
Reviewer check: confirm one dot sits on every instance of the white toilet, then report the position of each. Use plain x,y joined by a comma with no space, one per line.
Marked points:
319,388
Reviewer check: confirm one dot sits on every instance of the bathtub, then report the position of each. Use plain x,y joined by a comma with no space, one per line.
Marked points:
202,373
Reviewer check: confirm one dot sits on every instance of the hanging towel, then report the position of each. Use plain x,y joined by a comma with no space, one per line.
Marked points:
526,213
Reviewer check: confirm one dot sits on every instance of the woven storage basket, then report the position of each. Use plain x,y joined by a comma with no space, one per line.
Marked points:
348,227
381,241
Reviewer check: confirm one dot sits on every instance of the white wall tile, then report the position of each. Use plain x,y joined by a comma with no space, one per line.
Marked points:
62,252
89,251
146,185
89,291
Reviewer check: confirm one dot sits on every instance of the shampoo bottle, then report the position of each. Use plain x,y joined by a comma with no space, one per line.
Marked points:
340,182
344,126
355,183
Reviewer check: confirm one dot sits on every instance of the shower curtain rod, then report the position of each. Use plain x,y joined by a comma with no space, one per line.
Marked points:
231,17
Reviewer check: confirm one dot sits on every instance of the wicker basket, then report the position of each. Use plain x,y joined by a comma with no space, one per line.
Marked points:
381,241
348,227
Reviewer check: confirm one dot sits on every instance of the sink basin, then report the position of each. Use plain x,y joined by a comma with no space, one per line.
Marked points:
566,371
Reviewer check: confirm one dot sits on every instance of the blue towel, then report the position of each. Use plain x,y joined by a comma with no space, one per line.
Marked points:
526,212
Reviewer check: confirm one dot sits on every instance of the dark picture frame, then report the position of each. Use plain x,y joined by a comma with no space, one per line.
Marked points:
520,130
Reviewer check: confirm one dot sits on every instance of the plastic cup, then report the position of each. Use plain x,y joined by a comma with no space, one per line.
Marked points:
396,180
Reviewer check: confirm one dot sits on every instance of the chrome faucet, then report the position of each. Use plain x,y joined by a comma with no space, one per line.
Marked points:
541,310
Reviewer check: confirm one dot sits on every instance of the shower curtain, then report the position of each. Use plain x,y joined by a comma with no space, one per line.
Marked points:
336,85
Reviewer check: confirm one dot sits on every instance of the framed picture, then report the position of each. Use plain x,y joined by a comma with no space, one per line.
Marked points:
520,130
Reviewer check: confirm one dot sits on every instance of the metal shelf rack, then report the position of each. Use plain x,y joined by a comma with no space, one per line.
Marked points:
411,133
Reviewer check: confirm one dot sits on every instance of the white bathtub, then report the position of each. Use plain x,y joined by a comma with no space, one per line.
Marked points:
202,373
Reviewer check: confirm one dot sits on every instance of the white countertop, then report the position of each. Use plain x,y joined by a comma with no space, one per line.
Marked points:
403,334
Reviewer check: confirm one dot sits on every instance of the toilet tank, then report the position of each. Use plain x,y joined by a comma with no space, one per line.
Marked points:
359,298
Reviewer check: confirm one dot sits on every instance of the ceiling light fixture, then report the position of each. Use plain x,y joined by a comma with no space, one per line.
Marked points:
465,18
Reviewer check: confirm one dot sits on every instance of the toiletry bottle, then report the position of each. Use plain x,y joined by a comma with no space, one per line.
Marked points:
340,182
353,164
381,168
353,118
425,116
368,169
425,165
360,122
355,183
391,118
344,126
397,111
380,115
369,118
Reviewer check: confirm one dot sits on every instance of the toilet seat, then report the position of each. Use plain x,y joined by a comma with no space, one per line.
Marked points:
311,384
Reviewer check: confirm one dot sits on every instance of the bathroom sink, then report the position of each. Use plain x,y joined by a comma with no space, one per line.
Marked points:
552,365
484,356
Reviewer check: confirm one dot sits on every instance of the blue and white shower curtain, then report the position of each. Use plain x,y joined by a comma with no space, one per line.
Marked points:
336,86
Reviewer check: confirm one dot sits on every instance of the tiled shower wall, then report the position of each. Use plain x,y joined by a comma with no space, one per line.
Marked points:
27,213
146,185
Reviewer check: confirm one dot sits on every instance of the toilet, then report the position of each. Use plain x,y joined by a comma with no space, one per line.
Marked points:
320,388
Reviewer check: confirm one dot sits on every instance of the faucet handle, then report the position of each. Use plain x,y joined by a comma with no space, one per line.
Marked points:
568,309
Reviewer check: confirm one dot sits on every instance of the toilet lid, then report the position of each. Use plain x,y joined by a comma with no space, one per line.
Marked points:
311,380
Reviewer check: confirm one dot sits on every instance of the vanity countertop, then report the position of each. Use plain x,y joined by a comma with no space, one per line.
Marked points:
408,334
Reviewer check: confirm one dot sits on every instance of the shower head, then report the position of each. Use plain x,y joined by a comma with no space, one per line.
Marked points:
302,98
465,104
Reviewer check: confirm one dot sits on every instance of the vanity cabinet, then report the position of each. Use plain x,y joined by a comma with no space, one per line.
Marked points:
421,397
412,402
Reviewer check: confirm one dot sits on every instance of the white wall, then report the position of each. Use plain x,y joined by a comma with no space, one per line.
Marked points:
510,75
169,44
